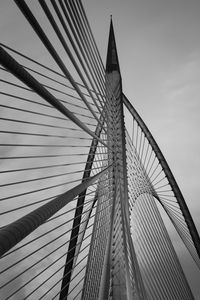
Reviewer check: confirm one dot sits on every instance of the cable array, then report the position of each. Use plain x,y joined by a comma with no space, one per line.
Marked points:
161,271
79,218
157,179
53,138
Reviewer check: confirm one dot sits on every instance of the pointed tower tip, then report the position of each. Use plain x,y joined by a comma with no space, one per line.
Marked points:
112,62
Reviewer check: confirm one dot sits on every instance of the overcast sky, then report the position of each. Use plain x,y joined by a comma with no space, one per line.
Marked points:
159,53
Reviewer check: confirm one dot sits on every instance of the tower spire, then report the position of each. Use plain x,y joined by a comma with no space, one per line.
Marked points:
112,62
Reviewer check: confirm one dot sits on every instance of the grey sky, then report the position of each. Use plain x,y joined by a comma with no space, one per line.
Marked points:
158,46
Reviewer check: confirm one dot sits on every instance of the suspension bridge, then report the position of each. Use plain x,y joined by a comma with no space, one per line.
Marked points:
80,192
